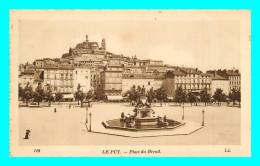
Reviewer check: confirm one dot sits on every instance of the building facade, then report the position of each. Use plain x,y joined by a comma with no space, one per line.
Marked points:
26,77
233,76
189,79
111,80
220,83
82,77
59,78
144,81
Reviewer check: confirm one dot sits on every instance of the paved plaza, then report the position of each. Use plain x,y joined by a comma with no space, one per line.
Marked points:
68,127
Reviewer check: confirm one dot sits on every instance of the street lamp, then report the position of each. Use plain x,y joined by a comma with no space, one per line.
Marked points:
182,112
87,114
90,122
203,117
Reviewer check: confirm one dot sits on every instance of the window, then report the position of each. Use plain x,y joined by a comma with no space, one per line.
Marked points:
148,82
76,72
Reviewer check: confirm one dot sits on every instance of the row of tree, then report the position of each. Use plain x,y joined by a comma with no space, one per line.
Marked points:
96,94
38,95
204,96
181,96
27,94
135,93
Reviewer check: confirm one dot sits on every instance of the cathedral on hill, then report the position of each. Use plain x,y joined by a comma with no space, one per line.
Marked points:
89,49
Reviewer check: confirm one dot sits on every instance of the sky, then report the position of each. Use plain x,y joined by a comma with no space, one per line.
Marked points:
202,44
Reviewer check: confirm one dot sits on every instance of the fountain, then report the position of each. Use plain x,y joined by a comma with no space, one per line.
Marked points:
142,119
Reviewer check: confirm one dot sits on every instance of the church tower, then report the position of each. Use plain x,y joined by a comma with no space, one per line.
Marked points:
103,44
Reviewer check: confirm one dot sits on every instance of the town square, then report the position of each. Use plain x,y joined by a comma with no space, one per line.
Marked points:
144,84
68,125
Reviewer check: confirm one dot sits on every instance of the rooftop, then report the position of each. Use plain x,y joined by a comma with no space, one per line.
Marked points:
218,77
94,59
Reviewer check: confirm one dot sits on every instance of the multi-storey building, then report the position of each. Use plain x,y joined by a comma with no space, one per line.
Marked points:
39,63
27,76
189,79
48,61
111,80
159,68
146,62
142,80
234,79
59,78
82,77
233,76
219,82
130,80
95,76
91,61
134,69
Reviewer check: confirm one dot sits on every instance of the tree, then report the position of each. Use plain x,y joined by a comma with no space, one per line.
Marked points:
238,96
28,93
90,94
48,96
232,96
191,97
161,95
77,94
38,94
235,95
66,55
180,95
204,96
219,96
20,92
58,96
134,93
99,93
151,95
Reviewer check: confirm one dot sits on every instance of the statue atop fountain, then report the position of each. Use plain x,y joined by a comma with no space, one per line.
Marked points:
143,118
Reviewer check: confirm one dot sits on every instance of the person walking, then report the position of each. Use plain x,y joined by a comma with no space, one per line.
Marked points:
27,133
55,110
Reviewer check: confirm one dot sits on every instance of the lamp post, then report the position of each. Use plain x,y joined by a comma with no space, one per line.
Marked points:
87,114
182,112
203,117
90,122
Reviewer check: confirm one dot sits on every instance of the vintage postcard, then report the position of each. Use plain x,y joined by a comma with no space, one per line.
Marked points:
131,83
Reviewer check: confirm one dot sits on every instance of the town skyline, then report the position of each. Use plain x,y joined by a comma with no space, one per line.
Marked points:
196,45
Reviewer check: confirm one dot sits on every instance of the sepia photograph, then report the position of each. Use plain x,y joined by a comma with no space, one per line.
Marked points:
130,83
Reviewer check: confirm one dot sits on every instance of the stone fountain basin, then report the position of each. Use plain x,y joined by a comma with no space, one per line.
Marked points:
118,125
